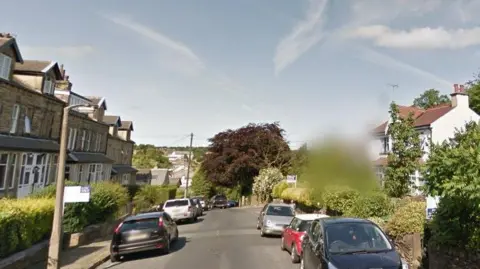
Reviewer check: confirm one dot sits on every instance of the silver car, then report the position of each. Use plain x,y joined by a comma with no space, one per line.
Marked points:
273,218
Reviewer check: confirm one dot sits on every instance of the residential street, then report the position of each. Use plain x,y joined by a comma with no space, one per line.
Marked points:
225,239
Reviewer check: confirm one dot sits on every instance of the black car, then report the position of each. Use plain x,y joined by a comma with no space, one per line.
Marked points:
219,201
143,232
343,243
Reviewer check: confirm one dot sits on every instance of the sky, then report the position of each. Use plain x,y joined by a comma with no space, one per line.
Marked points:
203,66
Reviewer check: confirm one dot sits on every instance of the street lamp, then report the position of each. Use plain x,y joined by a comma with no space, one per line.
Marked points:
56,236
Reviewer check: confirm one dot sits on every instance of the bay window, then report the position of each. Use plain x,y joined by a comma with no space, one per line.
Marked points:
3,170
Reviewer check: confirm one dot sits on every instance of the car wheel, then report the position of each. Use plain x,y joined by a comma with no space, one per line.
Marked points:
166,249
294,255
195,219
176,234
114,257
258,225
302,263
282,244
262,234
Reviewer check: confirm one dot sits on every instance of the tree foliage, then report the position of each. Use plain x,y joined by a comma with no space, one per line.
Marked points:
403,160
235,157
148,156
473,90
298,161
431,98
201,185
264,183
454,175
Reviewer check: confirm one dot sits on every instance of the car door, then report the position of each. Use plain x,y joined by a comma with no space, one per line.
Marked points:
169,224
319,258
309,247
262,214
288,233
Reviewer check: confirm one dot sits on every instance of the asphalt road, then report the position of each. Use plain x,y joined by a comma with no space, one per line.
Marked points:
222,239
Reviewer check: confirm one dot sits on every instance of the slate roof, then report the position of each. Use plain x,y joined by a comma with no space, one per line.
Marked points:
112,120
27,143
88,157
35,66
122,169
126,125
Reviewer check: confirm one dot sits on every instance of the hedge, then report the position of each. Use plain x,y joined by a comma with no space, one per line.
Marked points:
407,219
24,222
372,204
278,189
300,195
148,196
339,199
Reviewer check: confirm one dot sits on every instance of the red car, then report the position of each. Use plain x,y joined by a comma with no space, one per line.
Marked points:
293,234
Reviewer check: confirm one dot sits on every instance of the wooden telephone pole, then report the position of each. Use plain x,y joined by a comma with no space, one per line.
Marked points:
189,164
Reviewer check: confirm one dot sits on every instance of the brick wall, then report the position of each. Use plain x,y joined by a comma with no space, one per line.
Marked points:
45,111
82,122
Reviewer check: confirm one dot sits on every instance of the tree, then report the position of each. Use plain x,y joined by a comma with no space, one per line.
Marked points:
148,156
201,185
264,183
453,173
298,161
403,160
473,91
235,157
430,98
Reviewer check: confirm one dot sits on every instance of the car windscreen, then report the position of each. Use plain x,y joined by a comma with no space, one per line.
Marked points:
176,203
140,224
285,211
344,238
220,197
304,225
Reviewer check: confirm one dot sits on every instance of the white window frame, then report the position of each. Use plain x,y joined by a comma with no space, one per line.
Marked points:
3,181
84,136
91,173
70,138
14,118
5,66
99,172
88,140
125,179
48,85
12,160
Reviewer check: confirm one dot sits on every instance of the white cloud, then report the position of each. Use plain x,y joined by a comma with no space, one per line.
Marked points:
177,47
384,60
419,38
304,36
70,52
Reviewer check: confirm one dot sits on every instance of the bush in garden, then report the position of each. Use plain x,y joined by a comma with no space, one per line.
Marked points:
201,186
132,191
180,193
339,199
379,221
373,204
24,222
407,219
50,190
151,195
264,183
231,193
299,195
279,188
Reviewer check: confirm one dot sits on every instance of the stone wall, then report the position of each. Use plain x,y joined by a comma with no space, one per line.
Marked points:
411,249
452,258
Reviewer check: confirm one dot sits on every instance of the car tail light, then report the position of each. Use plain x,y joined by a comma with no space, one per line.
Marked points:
117,230
189,208
160,222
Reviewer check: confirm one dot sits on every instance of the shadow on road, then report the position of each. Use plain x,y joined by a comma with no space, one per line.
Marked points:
186,222
176,246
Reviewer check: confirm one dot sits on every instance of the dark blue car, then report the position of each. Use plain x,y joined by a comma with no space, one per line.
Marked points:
232,203
341,243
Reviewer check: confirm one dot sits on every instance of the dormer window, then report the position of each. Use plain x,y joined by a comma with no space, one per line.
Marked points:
385,145
5,66
49,86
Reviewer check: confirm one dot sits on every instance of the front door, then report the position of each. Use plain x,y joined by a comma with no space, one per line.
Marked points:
39,171
26,175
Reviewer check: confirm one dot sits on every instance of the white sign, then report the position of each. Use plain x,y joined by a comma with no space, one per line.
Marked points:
76,194
183,182
432,203
292,179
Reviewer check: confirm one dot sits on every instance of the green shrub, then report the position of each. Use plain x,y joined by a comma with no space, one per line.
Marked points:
24,222
148,196
299,195
132,191
179,193
50,190
407,219
106,200
339,199
231,193
373,204
379,221
278,189
201,186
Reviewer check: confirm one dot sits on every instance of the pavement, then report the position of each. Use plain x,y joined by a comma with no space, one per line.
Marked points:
223,238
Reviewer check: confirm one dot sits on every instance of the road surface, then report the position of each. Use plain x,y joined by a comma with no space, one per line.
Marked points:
222,239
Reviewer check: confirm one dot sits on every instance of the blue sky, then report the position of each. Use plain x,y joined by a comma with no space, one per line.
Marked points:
316,66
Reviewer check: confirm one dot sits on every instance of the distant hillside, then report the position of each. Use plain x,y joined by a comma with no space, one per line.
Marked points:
198,152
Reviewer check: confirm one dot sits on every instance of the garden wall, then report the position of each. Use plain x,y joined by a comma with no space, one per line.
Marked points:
452,259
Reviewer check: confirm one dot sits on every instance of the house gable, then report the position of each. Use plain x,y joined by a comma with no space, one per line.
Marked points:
8,46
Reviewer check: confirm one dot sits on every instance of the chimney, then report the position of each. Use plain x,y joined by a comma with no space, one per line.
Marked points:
459,96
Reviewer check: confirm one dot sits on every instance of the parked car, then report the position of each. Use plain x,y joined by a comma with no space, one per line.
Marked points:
198,206
219,201
273,218
293,234
348,243
181,209
143,232
232,203
203,202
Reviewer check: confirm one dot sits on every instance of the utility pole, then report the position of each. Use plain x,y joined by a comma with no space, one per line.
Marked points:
189,163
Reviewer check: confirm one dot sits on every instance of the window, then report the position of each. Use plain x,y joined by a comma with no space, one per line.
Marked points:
99,172
70,138
27,128
67,172
49,86
385,145
52,173
14,119
125,179
80,173
88,138
12,170
3,170
91,173
280,211
5,66
98,142
84,136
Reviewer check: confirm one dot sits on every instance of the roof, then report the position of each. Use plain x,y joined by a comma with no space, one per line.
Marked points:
422,118
88,157
27,143
308,217
123,169
336,220
7,40
145,216
126,125
144,171
99,101
40,67
112,120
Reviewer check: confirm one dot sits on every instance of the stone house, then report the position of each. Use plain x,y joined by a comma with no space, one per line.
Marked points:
30,117
87,161
120,149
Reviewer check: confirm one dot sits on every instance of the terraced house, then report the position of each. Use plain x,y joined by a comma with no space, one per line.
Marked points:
30,117
87,136
120,149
